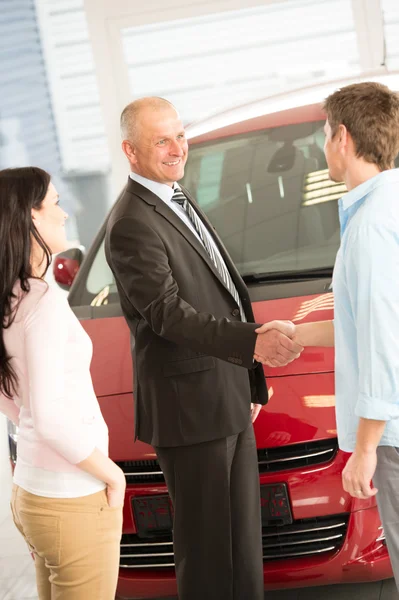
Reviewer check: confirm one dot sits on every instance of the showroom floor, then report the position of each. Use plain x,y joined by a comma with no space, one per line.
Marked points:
17,576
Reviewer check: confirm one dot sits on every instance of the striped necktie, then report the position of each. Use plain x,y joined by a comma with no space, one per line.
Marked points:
205,238
179,197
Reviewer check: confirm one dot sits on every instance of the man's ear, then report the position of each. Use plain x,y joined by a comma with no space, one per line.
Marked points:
342,137
130,151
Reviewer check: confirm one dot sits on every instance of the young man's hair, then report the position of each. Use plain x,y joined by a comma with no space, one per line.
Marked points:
370,113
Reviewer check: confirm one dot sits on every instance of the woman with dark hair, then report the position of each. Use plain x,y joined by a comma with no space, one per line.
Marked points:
68,495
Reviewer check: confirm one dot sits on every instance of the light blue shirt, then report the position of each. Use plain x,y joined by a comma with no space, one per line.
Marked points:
366,321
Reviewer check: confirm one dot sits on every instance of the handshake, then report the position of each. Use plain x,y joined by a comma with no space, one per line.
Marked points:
277,344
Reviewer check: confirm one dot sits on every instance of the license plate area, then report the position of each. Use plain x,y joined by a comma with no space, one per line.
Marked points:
275,505
152,515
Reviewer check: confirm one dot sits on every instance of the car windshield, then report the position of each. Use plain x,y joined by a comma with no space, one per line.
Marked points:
269,197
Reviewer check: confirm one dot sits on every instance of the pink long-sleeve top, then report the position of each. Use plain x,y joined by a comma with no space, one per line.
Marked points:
55,407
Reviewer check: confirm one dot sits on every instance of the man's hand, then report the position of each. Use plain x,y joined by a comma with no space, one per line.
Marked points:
357,475
274,346
255,410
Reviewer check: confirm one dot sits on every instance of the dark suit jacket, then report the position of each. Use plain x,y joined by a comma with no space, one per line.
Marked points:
194,376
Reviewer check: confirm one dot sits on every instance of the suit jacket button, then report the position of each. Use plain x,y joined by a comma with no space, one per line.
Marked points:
235,312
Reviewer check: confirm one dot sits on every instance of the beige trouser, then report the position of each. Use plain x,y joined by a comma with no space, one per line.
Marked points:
75,543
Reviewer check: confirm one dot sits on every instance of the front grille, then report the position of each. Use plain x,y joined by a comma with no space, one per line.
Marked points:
270,460
297,456
304,537
137,553
142,471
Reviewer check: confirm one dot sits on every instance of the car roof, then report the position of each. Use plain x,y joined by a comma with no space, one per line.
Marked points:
301,114
296,106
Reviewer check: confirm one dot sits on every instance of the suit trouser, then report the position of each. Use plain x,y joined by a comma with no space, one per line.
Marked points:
386,479
217,534
75,543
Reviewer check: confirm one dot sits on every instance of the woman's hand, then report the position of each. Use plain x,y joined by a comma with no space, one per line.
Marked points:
116,491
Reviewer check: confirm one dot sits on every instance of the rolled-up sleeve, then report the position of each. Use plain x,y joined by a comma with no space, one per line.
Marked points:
54,418
372,275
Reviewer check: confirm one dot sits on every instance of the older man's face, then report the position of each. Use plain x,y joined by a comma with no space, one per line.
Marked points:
160,150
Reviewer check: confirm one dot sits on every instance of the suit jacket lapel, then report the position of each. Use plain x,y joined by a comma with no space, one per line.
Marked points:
167,213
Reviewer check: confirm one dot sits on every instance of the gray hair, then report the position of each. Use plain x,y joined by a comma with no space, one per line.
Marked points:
129,121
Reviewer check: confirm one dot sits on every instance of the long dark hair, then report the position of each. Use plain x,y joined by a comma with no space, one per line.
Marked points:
21,190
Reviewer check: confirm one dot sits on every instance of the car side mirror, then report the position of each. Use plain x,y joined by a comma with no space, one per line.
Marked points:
66,265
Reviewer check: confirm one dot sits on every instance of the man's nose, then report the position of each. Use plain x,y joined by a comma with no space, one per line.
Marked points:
176,149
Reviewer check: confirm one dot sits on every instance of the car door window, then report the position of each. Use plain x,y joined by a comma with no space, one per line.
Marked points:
96,285
269,197
100,282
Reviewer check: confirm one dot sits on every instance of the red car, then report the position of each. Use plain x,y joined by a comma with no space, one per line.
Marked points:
264,185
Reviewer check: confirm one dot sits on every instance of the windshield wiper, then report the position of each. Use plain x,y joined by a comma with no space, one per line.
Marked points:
282,276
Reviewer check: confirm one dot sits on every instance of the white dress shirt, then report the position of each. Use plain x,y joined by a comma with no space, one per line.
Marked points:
165,192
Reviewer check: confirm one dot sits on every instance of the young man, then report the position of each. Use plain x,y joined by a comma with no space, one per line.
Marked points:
362,142
195,379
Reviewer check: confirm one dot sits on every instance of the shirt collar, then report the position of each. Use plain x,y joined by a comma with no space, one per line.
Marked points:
362,190
351,201
163,191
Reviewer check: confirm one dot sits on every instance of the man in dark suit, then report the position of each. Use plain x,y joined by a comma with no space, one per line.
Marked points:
194,343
